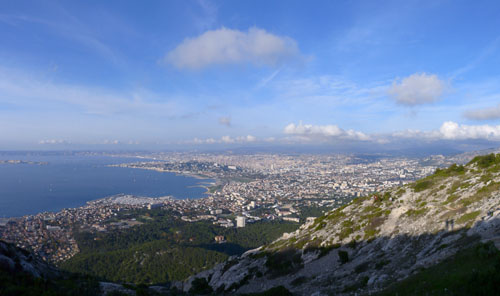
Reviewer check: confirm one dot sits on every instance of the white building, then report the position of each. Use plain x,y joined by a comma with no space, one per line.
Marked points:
240,221
152,206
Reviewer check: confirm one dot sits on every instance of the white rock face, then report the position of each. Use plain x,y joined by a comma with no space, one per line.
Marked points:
409,228
13,259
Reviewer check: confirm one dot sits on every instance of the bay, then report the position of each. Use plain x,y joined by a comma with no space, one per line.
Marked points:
69,181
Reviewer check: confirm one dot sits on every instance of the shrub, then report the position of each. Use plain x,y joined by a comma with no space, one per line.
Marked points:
362,267
453,170
299,281
370,233
276,291
283,262
485,161
356,286
379,265
400,192
422,185
343,257
200,286
345,232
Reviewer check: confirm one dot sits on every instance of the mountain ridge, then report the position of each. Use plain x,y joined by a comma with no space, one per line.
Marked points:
375,240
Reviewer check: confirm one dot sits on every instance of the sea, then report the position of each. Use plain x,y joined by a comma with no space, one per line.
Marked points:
69,180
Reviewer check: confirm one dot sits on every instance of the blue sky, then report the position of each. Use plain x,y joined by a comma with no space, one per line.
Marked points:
163,74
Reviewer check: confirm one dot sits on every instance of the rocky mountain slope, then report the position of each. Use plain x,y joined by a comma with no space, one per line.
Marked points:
375,240
16,260
23,273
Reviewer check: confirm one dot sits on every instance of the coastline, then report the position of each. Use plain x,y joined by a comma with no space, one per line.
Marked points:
176,189
177,173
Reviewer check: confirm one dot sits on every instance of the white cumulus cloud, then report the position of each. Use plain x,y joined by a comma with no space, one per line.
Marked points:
453,131
227,46
484,114
323,131
417,89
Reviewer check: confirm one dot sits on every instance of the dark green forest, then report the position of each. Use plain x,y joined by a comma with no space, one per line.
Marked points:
165,248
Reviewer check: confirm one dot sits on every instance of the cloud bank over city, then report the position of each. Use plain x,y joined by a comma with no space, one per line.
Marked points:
309,131
196,75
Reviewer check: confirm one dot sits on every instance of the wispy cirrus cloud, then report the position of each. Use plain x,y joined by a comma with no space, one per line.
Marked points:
228,46
19,88
71,28
330,89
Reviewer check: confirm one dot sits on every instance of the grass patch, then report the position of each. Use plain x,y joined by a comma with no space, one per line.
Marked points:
439,174
345,232
335,215
412,213
486,177
453,213
451,198
422,185
370,233
347,223
302,242
454,187
465,185
400,192
482,193
468,217
361,199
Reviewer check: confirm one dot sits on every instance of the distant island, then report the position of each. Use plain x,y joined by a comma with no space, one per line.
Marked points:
16,161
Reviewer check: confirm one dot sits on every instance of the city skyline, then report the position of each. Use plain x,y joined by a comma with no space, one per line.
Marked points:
218,74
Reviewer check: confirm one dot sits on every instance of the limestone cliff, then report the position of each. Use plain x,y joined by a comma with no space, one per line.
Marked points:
375,240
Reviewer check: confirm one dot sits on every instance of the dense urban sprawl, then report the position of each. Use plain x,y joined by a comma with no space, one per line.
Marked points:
247,188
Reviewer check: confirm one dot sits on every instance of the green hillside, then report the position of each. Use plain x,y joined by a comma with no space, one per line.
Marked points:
165,248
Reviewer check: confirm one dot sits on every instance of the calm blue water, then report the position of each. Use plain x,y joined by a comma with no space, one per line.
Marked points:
70,181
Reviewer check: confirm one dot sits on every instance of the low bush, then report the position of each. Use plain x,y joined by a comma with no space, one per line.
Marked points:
343,257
